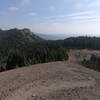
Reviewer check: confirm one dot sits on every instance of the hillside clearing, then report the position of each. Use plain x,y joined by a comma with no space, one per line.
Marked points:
51,81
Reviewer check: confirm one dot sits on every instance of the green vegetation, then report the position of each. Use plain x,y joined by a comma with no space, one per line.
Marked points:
82,43
16,58
21,48
93,63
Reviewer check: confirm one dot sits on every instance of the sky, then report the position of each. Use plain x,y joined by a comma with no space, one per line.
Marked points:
52,16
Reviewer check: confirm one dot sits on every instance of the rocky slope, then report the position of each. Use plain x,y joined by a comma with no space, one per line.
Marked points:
22,34
16,38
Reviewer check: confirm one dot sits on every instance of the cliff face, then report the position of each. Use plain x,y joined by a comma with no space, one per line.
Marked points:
24,34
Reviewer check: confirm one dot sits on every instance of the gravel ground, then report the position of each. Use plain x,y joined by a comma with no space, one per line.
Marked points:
51,81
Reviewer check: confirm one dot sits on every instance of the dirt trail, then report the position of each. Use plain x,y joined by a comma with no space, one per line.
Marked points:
51,81
22,95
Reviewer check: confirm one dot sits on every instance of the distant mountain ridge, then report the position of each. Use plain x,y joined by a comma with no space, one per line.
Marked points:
26,40
56,36
16,38
24,34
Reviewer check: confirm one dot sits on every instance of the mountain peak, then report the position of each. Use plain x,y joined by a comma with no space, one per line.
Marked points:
17,37
26,32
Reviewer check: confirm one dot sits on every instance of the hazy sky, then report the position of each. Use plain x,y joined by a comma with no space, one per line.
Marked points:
52,16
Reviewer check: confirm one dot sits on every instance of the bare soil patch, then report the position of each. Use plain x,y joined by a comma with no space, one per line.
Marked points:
52,81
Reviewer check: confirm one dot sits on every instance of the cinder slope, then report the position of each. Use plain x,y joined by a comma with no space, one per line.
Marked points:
50,81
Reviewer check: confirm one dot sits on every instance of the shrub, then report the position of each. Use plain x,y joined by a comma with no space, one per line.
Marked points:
15,59
93,63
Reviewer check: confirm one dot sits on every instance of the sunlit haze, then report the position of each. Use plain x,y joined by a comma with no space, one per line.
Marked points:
52,16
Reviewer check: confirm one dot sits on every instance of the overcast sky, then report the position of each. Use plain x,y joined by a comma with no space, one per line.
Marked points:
52,16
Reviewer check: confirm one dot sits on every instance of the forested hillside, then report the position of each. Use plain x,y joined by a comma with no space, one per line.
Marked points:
16,38
82,43
22,47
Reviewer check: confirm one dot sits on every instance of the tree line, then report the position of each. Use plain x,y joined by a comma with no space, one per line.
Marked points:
17,58
45,50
